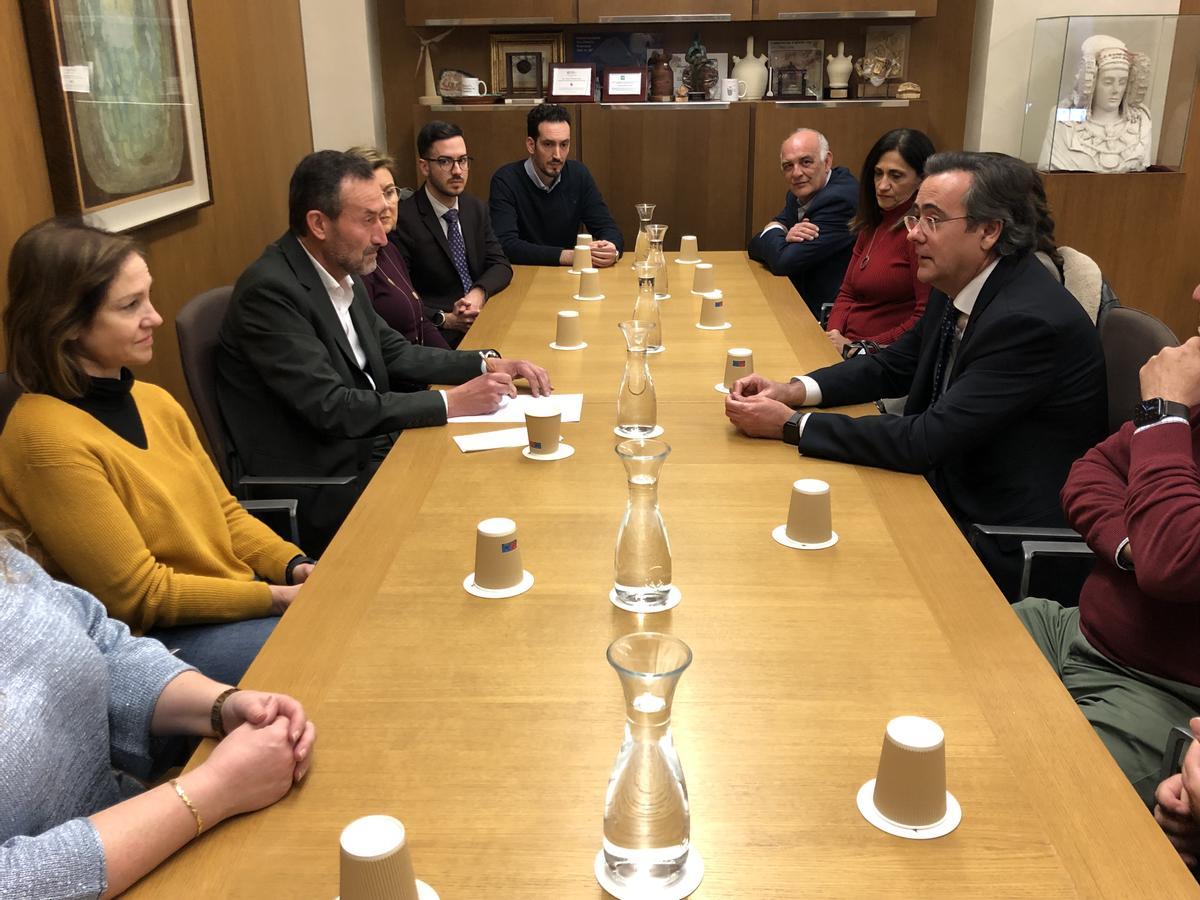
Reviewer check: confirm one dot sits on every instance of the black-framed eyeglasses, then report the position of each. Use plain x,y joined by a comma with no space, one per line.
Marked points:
446,163
927,224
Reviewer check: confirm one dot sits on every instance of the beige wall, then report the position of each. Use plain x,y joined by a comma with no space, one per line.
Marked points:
341,53
1001,56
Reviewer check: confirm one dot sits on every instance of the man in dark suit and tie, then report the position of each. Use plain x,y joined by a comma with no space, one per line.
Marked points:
446,238
810,241
1004,373
305,366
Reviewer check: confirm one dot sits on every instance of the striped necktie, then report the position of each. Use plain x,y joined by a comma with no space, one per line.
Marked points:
458,249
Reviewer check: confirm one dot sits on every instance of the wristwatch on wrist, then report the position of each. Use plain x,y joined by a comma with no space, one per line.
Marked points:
1147,412
791,429
438,319
489,354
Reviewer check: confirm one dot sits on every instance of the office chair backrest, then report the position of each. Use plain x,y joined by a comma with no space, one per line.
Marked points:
9,392
197,326
1130,337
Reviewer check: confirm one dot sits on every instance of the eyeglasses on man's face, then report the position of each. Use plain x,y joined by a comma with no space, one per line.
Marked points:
391,192
446,163
928,224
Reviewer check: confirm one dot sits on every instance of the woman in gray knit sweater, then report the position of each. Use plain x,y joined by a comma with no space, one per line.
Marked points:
79,696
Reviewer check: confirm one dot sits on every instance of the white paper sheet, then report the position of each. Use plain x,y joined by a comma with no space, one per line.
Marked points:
512,409
492,440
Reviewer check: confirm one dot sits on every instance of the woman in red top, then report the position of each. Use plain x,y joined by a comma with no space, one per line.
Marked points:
881,298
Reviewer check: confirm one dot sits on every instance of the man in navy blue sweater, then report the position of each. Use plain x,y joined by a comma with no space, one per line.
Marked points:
538,204
810,241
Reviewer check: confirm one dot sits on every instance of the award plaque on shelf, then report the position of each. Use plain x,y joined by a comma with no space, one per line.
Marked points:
624,84
571,83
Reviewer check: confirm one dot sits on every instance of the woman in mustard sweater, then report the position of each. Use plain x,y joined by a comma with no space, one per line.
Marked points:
106,474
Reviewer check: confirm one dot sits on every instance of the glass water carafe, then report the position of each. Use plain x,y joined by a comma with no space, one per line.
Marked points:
658,234
645,308
647,824
637,407
642,561
641,250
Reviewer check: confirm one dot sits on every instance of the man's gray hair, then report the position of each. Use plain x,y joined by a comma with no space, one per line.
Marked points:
822,141
998,193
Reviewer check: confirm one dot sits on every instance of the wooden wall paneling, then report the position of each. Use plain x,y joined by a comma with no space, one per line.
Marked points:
771,9
1123,222
257,124
692,163
485,12
494,135
646,11
25,183
851,131
940,61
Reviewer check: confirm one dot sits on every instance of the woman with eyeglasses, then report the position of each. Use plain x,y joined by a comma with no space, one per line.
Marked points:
390,286
881,297
106,474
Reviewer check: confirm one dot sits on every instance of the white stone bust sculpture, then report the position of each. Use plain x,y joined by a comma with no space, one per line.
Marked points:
1104,126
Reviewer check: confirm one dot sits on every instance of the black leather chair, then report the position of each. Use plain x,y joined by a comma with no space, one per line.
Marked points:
1129,337
197,326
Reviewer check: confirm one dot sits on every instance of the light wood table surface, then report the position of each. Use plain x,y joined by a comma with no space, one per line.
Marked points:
490,727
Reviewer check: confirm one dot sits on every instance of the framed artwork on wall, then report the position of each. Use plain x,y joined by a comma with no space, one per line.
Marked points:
522,46
118,98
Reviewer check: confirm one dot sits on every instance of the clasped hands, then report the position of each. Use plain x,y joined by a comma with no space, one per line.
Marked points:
1177,802
466,310
759,407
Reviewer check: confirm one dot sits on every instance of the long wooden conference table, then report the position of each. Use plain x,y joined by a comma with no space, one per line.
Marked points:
490,727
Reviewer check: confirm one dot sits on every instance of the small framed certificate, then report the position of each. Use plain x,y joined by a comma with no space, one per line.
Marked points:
571,82
624,84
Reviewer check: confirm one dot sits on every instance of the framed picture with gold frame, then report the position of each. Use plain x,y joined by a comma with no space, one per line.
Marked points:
549,45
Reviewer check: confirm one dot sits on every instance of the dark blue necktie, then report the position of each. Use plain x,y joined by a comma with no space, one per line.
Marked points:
458,249
945,345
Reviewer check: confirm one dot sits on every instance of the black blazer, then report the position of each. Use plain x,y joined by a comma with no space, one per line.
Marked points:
292,396
1026,398
423,245
816,267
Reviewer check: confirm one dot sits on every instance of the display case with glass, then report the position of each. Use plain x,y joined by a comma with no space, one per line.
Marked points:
1110,94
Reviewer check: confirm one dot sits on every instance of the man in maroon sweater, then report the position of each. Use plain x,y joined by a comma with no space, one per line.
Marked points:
1128,654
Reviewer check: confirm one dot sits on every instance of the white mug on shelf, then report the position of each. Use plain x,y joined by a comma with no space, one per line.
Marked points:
732,89
472,87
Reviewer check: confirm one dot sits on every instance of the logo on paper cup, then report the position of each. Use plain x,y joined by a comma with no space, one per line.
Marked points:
535,445
738,363
717,304
509,547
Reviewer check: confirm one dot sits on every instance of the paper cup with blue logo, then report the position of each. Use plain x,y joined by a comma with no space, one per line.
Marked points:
712,310
542,422
739,362
497,556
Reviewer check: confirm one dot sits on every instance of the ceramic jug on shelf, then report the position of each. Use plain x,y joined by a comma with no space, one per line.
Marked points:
839,68
752,70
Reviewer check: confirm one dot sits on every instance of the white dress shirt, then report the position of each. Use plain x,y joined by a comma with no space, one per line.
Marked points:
440,209
341,294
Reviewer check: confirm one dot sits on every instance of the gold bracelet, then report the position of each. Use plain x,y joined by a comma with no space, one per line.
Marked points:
218,726
188,803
